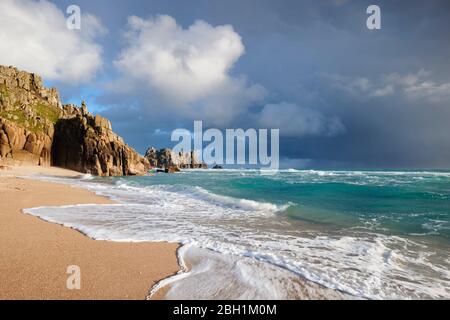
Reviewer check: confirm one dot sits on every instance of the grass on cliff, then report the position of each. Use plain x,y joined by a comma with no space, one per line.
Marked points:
4,94
39,112
17,116
48,112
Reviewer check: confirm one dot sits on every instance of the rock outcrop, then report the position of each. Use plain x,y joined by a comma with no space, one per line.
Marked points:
166,158
86,143
36,129
28,112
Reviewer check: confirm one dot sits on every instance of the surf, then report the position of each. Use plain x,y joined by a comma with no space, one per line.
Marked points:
357,257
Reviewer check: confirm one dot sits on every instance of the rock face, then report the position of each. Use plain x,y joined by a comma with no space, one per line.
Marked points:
86,143
166,158
36,129
28,112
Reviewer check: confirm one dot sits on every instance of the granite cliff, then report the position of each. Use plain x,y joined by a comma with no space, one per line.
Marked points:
36,129
28,112
86,143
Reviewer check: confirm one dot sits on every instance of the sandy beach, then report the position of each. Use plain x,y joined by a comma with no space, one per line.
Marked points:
34,254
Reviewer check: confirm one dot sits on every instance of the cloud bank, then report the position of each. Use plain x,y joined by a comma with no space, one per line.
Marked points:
413,86
189,71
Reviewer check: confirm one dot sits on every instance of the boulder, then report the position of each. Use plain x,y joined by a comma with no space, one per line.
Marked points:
16,135
99,121
172,169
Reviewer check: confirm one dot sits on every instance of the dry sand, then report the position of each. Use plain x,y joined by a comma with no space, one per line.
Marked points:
34,254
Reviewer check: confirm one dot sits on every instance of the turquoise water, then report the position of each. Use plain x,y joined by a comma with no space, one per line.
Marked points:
364,234
413,203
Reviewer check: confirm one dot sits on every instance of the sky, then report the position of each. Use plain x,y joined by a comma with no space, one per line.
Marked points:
343,96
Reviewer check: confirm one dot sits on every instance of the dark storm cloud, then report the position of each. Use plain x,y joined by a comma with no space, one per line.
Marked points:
389,88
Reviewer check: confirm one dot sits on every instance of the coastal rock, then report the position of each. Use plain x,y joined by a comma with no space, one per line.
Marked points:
86,143
102,122
152,156
172,169
28,112
20,146
166,158
36,129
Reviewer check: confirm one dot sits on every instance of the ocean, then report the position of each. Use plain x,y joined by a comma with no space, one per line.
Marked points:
297,234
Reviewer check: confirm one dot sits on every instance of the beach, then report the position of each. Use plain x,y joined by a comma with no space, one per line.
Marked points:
240,235
299,234
35,255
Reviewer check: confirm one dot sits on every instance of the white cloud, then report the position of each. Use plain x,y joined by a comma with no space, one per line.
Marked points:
406,80
187,72
430,90
384,91
419,86
355,86
187,69
296,121
413,86
34,37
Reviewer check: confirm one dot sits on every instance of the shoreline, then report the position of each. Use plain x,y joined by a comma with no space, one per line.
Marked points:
35,254
159,290
160,287
186,267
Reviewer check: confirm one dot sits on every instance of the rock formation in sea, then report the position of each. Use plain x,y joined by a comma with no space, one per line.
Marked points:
36,129
166,158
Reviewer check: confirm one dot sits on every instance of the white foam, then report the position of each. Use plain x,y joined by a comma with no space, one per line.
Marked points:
87,176
364,265
241,203
237,278
371,267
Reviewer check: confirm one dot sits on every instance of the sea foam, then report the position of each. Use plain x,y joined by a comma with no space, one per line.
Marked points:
251,238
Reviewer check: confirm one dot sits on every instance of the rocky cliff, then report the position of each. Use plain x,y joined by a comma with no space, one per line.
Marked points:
36,129
86,143
28,113
166,158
